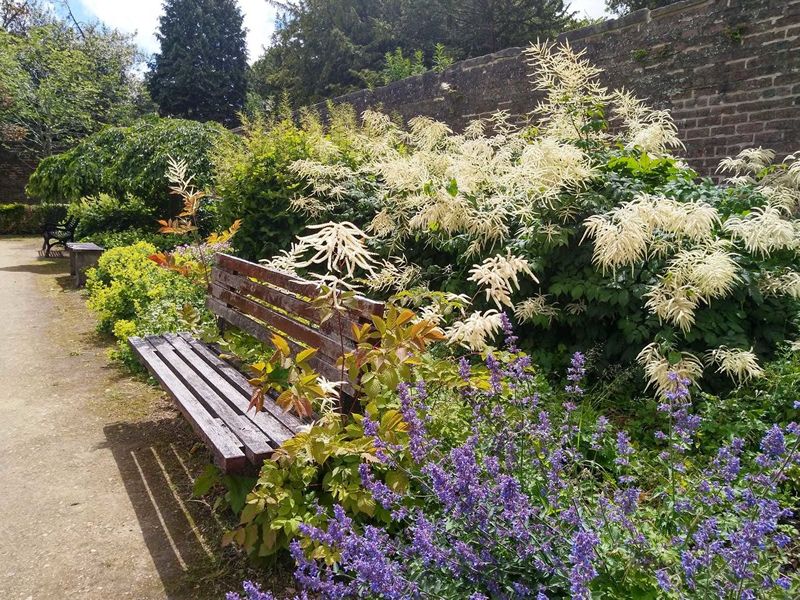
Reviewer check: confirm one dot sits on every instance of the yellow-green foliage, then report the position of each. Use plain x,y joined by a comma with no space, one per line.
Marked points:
123,283
132,295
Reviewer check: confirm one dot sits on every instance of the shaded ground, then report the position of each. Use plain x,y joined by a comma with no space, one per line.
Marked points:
95,466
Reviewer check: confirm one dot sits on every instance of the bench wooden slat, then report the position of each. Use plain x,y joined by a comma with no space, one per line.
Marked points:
241,382
256,446
225,447
302,333
286,281
293,305
273,427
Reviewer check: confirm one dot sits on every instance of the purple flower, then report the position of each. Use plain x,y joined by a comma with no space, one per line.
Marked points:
773,442
576,373
418,443
662,577
624,449
379,490
252,592
508,331
581,556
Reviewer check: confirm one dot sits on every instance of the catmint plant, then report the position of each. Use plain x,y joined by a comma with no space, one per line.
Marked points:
537,502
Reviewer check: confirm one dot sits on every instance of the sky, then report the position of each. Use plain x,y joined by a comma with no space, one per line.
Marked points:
141,17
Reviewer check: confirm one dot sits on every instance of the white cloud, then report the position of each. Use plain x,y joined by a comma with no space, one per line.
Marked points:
141,16
259,19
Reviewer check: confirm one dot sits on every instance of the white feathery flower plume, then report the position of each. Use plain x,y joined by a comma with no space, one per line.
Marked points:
657,367
341,247
475,331
748,162
499,276
740,365
777,284
763,231
653,131
535,306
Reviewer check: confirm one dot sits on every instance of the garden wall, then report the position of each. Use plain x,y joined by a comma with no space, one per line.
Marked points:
728,70
14,174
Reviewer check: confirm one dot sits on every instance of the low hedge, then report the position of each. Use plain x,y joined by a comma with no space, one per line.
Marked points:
24,219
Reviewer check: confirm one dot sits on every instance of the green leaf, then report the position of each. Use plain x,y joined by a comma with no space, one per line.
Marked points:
210,477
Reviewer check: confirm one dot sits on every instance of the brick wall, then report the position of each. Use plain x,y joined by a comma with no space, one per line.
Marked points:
14,174
728,70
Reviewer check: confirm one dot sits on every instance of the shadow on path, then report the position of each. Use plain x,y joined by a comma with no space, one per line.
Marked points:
42,266
157,466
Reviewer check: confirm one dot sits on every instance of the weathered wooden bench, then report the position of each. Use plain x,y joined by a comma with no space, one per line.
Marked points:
82,255
212,394
58,234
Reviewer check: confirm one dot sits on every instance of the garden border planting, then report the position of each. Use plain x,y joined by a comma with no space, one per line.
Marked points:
212,394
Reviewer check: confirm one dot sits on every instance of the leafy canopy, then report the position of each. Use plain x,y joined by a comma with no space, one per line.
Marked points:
122,161
58,84
324,48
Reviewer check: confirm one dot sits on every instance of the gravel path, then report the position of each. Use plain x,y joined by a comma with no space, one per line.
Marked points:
95,466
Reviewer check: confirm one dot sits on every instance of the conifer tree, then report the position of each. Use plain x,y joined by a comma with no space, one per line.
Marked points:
200,72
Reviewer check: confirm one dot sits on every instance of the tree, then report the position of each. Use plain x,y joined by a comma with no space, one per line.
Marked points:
623,7
320,47
485,26
58,85
201,70
324,48
16,15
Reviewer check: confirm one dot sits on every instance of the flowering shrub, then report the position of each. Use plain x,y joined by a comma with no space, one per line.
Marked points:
320,467
536,502
604,240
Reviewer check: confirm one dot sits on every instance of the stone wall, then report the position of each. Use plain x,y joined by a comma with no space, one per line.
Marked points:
14,174
728,70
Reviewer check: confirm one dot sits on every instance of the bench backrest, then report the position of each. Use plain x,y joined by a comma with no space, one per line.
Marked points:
262,301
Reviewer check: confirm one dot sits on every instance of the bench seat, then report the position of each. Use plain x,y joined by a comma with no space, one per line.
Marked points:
213,396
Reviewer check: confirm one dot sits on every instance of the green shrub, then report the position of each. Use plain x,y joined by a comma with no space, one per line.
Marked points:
128,161
104,213
585,227
254,183
17,219
131,295
128,237
26,219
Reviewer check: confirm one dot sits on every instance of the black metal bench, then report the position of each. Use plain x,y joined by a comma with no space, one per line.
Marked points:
212,394
58,234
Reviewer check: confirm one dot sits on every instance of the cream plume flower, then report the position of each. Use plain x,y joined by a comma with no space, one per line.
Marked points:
499,276
536,306
763,231
341,247
657,368
475,331
740,365
653,131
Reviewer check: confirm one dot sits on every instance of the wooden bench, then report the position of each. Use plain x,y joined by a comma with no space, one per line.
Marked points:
212,394
58,234
82,255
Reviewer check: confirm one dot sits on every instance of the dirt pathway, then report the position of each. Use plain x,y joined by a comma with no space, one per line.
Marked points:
95,466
